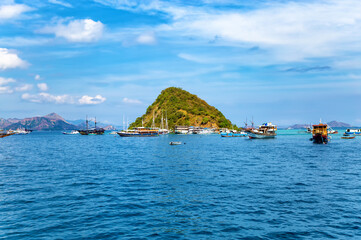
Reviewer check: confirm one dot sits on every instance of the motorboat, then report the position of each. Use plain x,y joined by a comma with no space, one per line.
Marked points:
266,130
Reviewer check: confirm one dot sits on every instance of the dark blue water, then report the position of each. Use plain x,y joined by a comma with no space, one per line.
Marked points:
55,186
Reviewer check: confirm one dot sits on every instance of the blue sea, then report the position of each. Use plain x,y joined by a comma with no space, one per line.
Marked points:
55,186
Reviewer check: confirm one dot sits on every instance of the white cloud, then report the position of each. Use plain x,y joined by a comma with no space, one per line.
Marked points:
62,3
48,98
80,30
9,59
91,100
131,101
37,77
62,99
146,38
13,11
3,85
193,58
43,87
291,31
5,89
4,81
24,87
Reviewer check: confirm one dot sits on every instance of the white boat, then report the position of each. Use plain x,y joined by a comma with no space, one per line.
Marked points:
266,130
175,143
20,131
353,131
71,133
331,131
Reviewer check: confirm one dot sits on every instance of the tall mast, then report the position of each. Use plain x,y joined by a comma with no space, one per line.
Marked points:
86,122
153,121
127,123
95,122
166,120
162,122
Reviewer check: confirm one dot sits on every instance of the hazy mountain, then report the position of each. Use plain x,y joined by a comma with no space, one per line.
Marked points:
51,121
336,124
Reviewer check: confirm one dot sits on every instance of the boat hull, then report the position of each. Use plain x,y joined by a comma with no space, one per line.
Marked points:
260,136
121,134
320,139
233,135
91,132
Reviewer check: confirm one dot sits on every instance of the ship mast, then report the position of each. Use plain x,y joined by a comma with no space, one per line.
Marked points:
87,123
153,124
162,122
95,122
166,120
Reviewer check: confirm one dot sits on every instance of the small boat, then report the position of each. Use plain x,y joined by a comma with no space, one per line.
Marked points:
347,136
234,134
21,131
356,132
92,131
5,133
331,131
266,130
71,133
320,134
139,132
175,143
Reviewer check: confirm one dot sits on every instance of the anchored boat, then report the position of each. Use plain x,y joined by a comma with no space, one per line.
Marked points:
353,132
5,133
320,134
92,131
266,130
233,134
139,132
347,136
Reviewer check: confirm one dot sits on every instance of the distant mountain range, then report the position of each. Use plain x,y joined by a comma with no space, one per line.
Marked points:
51,121
333,124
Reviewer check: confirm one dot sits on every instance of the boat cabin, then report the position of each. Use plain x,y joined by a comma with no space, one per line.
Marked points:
267,127
320,129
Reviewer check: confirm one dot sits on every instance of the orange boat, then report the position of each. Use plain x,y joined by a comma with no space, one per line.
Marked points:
320,134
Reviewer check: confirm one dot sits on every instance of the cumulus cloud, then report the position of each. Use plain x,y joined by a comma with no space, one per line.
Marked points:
5,89
12,11
4,81
62,99
9,59
43,87
48,98
3,85
91,100
79,30
131,101
24,87
37,77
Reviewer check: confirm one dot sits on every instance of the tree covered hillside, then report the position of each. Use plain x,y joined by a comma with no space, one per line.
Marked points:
182,108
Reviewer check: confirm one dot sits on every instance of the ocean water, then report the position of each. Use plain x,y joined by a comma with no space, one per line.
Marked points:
55,186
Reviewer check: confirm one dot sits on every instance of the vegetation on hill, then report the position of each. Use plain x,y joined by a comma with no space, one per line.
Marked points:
184,109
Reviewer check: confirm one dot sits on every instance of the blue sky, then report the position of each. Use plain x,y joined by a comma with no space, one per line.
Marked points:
281,61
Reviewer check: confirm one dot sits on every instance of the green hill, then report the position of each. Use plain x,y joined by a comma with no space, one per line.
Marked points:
182,108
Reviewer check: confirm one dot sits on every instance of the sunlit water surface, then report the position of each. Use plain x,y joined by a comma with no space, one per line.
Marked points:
55,186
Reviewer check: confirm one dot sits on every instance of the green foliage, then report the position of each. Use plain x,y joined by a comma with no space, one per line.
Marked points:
182,108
